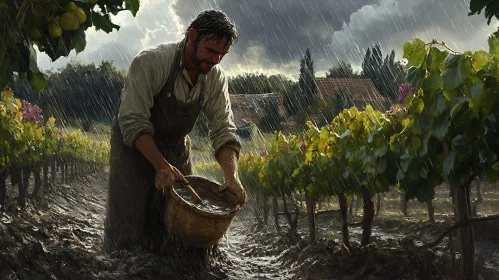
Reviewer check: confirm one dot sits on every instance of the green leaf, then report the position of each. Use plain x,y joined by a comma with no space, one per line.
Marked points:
133,6
491,8
466,66
480,58
400,175
5,72
381,166
441,126
491,175
20,58
79,41
417,105
493,45
432,82
452,78
486,156
415,75
62,48
414,52
449,163
103,22
423,173
458,140
424,148
477,94
440,106
424,121
452,60
415,144
457,104
425,194
37,81
437,59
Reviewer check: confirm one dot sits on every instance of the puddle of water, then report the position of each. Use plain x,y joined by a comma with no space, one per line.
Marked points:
249,260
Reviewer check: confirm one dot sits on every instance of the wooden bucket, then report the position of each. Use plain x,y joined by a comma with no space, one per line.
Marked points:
190,223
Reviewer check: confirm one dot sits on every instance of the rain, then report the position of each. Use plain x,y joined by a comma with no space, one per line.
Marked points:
364,134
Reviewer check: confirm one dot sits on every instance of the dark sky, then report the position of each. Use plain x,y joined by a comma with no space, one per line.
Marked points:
274,34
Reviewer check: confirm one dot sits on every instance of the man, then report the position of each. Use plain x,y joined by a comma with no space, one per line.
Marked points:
165,90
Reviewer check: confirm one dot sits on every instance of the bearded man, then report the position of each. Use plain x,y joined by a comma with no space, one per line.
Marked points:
166,89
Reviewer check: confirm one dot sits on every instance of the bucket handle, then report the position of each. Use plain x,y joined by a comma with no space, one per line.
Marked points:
193,193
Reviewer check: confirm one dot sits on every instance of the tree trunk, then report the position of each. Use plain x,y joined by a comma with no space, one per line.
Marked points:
357,202
23,187
431,211
276,212
344,229
350,208
287,214
63,171
312,224
256,211
38,181
294,222
266,209
479,200
52,171
462,206
15,176
378,204
404,203
3,189
451,250
45,175
368,216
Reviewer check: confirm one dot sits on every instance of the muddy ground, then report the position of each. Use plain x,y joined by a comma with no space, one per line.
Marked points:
59,236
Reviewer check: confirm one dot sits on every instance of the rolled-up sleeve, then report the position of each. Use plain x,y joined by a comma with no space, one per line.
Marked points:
218,111
142,83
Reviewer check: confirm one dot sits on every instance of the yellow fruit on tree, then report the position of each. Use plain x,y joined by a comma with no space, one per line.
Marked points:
69,21
34,32
55,30
71,7
80,13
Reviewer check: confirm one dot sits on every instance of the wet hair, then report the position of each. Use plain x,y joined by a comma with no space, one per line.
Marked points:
214,25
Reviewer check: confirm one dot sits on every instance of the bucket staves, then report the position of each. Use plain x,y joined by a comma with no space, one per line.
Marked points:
191,222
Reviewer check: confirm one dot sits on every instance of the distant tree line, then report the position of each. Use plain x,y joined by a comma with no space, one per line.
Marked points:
91,93
251,83
77,91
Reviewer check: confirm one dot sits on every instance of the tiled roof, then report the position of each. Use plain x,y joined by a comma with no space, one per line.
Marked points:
361,89
250,107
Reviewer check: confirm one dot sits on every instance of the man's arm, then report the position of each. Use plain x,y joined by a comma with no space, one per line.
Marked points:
227,158
145,79
166,174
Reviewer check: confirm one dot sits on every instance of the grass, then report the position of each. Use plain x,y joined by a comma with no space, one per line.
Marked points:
202,150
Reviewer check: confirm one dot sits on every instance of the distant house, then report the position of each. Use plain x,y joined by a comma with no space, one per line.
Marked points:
251,107
363,91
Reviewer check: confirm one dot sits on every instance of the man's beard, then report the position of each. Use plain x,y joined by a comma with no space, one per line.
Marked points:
197,61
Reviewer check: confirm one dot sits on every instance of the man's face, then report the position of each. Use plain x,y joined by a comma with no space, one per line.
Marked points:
208,53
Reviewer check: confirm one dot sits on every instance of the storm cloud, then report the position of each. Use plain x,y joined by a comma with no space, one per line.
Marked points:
274,34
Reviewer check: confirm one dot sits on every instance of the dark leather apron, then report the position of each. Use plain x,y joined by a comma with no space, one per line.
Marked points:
135,208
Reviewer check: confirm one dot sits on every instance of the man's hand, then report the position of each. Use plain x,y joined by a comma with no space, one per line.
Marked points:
166,176
234,186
